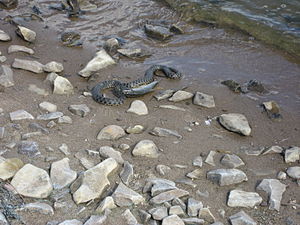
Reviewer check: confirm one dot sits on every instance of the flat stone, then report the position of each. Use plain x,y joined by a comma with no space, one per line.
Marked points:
146,148
107,203
136,129
20,115
158,183
4,36
61,174
65,120
100,61
53,67
129,217
176,210
210,158
235,122
95,181
19,48
172,220
96,220
159,213
80,110
198,161
31,135
186,181
47,106
217,223
275,190
163,132
226,176
195,174
160,187
131,53
64,149
294,172
241,218
232,161
126,174
37,185
181,96
168,196
50,116
111,132
238,198
3,220
138,107
26,34
86,163
204,100
164,94
39,207
71,222
29,65
273,149
124,147
157,32
109,152
162,169
124,196
206,214
193,207
29,148
292,154
62,86
172,107
9,167
6,76
193,221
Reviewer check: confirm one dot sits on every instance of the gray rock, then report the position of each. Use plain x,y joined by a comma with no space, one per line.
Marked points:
31,135
38,127
26,34
47,106
210,158
124,196
4,36
109,152
71,222
294,172
186,181
163,132
157,32
204,100
172,107
126,174
6,76
145,217
86,163
217,223
273,149
131,53
19,48
241,218
176,210
162,169
292,154
275,190
2,132
65,120
53,67
164,94
30,65
111,132
238,198
281,175
3,59
146,148
29,148
50,116
150,183
136,129
178,201
232,161
80,110
20,115
39,207
62,86
206,214
193,221
204,194
124,147
198,161
159,213
195,174
168,196
96,220
9,167
193,207
172,220
180,96
107,203
160,187
51,78
235,122
129,217
64,149
138,107
51,124
3,220
111,44
226,176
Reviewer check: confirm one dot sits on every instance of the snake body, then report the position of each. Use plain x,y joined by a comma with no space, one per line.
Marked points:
122,90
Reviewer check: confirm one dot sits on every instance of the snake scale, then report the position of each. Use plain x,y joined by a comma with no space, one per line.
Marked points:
122,90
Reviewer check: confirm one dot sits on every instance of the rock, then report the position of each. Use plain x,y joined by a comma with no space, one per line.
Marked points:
198,161
2,132
124,196
51,124
107,203
3,59
100,61
180,96
157,32
3,220
160,187
131,53
163,132
29,148
168,196
19,48
281,175
275,190
146,148
217,223
109,152
145,217
238,198
138,107
95,181
178,201
62,86
294,172
193,207
64,149
86,163
65,119
186,181
206,214
111,132
124,147
158,184
51,77
26,34
37,185
176,210
272,109
162,169
172,220
30,65
80,110
50,116
126,174
164,94
195,174
232,85
4,36
241,218
193,221
39,207
210,158
111,44
40,91
274,149
129,217
235,122
159,213
136,129
204,100
47,106
20,115
6,77
53,67
9,167
226,176
171,107
96,220
30,135
292,154
232,161
71,222
61,174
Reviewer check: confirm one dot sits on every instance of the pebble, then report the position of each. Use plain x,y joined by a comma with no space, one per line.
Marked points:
193,207
157,32
226,176
39,207
232,161
180,96
172,220
47,106
51,124
146,148
210,158
124,147
162,169
198,161
9,167
50,116
294,172
195,174
138,107
62,86
235,122
80,110
126,174
26,34
29,148
281,175
124,196
241,218
29,65
20,115
129,217
64,149
172,107
19,48
4,36
292,154
168,196
53,67
204,100
136,129
159,213
109,152
111,132
163,132
6,76
107,203
164,94
65,120
238,198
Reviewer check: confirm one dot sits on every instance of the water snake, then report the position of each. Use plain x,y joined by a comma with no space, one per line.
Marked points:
131,89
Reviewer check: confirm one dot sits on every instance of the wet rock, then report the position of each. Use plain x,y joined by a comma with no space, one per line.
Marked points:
53,67
6,77
176,210
206,214
29,148
4,36
168,196
19,48
292,154
47,106
281,175
159,213
232,161
164,94
3,220
195,174
100,61
204,100
172,107
64,149
176,29
80,110
126,174
131,53
180,96
294,172
275,190
39,207
210,158
26,34
37,185
172,220
50,116
163,132
129,217
9,167
146,148
112,44
235,122
138,107
71,39
61,174
157,32
162,169
111,132
272,109
65,119
95,181
29,65
124,196
193,207
198,161
62,86
226,176
71,222
232,85
96,220
238,198
136,129
107,203
241,218
273,149
20,115
109,152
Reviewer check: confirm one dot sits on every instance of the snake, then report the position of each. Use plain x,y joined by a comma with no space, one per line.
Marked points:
134,88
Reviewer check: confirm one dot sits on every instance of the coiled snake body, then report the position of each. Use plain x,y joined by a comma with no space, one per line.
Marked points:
122,90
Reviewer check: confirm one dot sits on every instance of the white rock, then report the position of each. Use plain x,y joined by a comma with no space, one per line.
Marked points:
53,67
20,115
6,76
9,167
172,107
26,33
62,86
19,48
238,198
80,110
30,65
100,61
226,176
172,220
65,119
180,96
107,203
235,122
241,218
294,172
71,222
50,116
292,154
146,148
111,132
109,152
96,220
4,36
273,149
129,217
232,161
210,158
168,196
138,107
204,100
47,106
39,207
124,196
281,175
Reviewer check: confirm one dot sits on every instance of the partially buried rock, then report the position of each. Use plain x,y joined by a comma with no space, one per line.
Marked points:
168,196
80,110
131,53
62,86
29,65
107,203
273,149
26,34
9,167
54,67
20,115
50,116
294,172
226,176
19,48
157,32
235,122
204,100
272,109
126,174
241,218
29,148
111,132
39,207
180,96
238,198
6,76
124,196
109,152
232,161
146,148
138,107
136,129
65,120
172,220
4,36
162,169
163,132
47,106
